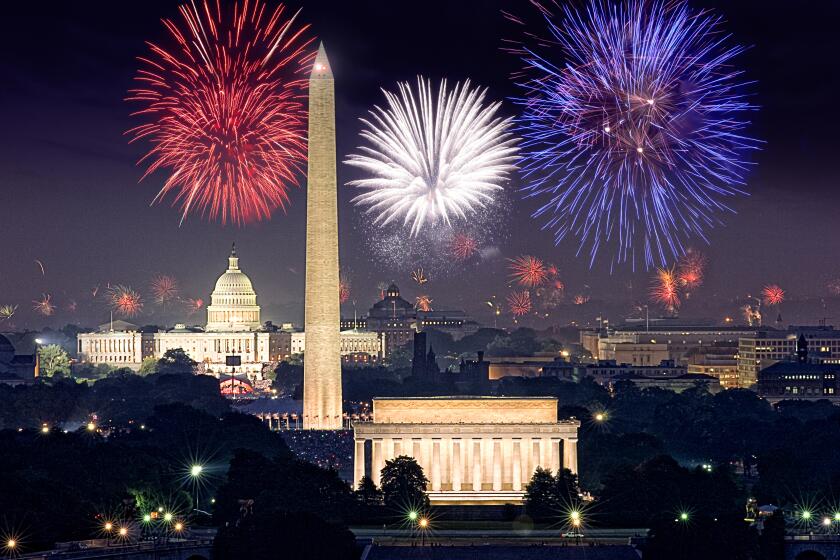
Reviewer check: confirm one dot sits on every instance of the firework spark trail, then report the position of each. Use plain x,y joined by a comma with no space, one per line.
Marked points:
432,161
164,289
463,246
225,109
528,271
772,294
125,301
41,266
519,303
665,289
423,303
419,276
44,306
634,132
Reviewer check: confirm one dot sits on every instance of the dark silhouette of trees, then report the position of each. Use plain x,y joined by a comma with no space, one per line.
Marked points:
548,496
403,484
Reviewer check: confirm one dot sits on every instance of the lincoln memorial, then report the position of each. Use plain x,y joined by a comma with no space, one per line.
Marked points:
473,450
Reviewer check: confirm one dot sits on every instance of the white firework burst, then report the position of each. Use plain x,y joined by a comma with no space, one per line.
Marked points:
431,161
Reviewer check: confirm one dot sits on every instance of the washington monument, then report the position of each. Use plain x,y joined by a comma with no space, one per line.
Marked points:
322,360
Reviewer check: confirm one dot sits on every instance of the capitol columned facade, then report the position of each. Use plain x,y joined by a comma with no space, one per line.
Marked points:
234,328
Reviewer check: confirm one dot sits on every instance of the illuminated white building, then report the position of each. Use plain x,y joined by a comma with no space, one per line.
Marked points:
234,328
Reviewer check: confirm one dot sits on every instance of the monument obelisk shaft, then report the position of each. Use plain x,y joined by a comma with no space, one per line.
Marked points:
322,355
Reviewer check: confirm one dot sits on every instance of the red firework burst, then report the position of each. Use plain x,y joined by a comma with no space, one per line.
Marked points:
423,303
463,246
225,103
44,306
164,289
772,294
519,303
528,271
581,299
125,301
194,305
664,289
343,288
690,269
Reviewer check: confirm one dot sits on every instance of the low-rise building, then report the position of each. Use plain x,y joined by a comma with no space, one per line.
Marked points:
765,348
801,378
16,369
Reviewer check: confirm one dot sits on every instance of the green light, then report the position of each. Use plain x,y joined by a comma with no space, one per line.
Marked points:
683,516
167,516
837,516
147,517
412,515
806,514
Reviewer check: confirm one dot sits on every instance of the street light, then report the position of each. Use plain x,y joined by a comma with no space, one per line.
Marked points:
91,426
167,517
11,544
424,523
806,515
684,516
108,526
123,531
179,527
600,416
195,470
412,515
147,518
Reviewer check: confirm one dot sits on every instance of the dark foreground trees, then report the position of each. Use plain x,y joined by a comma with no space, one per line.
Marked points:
404,484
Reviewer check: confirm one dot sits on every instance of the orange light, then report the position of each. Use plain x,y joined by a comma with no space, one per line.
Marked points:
108,526
179,526
424,523
123,531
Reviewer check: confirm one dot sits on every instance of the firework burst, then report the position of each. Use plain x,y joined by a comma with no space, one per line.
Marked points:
519,303
343,288
419,276
665,289
432,161
690,269
423,303
164,289
193,305
7,312
581,299
634,121
71,306
44,306
528,271
225,105
772,294
463,246
125,301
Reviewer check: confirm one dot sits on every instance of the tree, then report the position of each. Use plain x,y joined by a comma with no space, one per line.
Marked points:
404,484
53,361
548,496
176,361
771,542
148,366
400,358
367,493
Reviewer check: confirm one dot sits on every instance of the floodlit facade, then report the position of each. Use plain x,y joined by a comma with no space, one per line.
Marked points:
473,450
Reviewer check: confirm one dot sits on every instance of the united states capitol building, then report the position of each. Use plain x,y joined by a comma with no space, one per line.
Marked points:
234,328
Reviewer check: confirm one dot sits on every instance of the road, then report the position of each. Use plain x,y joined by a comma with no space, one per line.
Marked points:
469,537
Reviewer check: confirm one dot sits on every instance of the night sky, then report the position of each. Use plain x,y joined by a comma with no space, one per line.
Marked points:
71,197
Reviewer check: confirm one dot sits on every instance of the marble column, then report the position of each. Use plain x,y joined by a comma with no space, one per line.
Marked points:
516,471
417,451
476,464
536,459
555,455
387,449
358,462
457,474
570,454
436,478
397,447
545,453
377,463
497,464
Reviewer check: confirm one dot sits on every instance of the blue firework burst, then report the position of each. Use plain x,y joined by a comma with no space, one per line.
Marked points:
634,126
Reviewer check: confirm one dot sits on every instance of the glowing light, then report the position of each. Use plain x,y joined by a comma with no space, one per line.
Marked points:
806,515
91,426
684,516
663,77
423,303
412,515
167,517
164,289
45,429
147,517
7,312
195,470
109,526
225,109
123,531
179,526
664,289
44,306
11,544
430,162
424,523
600,417
826,521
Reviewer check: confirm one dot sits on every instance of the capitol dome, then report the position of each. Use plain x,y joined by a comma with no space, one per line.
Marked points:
233,303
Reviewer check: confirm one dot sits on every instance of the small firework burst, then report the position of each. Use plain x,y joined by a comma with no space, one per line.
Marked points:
125,301
528,271
833,286
343,288
71,306
463,246
7,312
419,276
581,299
558,285
519,303
44,306
164,289
690,269
772,294
423,303
665,289
193,305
